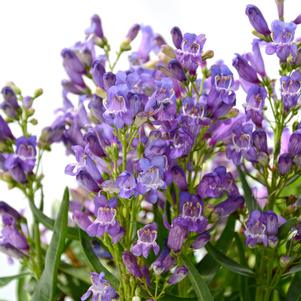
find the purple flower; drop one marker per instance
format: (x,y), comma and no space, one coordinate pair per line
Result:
(95,30)
(164,263)
(178,275)
(201,241)
(100,289)
(146,241)
(290,90)
(176,70)
(245,70)
(181,143)
(257,20)
(262,228)
(190,53)
(5,132)
(131,264)
(255,103)
(215,184)
(10,104)
(176,236)
(150,179)
(146,46)
(283,40)
(285,163)
(126,182)
(177,175)
(98,70)
(294,144)
(132,33)
(105,222)
(221,77)
(229,206)
(22,162)
(240,144)
(12,240)
(177,37)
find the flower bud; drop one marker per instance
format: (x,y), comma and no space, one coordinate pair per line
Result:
(257,20)
(176,36)
(285,163)
(245,70)
(176,70)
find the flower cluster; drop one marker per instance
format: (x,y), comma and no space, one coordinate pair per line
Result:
(166,167)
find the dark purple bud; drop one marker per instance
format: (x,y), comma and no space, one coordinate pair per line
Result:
(86,180)
(164,263)
(131,264)
(177,175)
(177,37)
(91,138)
(257,20)
(201,241)
(71,62)
(109,80)
(6,209)
(97,72)
(229,206)
(11,251)
(245,70)
(294,144)
(176,237)
(297,21)
(259,140)
(177,71)
(10,104)
(133,32)
(5,132)
(178,275)
(285,163)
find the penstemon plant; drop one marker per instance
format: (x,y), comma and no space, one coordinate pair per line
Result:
(181,195)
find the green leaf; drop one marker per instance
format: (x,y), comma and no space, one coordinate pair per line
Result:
(228,263)
(176,298)
(292,270)
(49,222)
(285,228)
(200,287)
(76,272)
(47,285)
(95,263)
(6,280)
(248,194)
(207,267)
(294,291)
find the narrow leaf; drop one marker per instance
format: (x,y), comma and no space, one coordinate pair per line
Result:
(46,287)
(292,270)
(94,261)
(176,298)
(49,222)
(248,194)
(6,280)
(200,287)
(228,263)
(294,291)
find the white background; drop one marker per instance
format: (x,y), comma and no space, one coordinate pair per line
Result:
(32,34)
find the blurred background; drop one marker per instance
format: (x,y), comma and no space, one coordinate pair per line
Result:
(33,32)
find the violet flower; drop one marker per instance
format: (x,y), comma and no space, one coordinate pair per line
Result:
(100,289)
(146,241)
(105,222)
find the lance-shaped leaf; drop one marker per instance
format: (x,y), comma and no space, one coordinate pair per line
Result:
(292,270)
(248,194)
(200,287)
(49,222)
(94,261)
(294,291)
(47,285)
(6,280)
(228,263)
